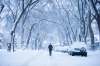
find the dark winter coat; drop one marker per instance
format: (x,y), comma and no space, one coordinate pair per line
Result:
(50,47)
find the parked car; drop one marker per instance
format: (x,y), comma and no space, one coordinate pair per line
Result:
(78,52)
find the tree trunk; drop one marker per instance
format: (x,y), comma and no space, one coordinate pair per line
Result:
(97,14)
(91,35)
(12,40)
(2,7)
(91,31)
(36,41)
(98,22)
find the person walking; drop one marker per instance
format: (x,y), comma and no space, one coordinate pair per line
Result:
(50,47)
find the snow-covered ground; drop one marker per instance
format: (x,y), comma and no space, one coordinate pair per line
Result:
(41,58)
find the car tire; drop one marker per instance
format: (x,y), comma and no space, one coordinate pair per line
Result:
(84,54)
(72,54)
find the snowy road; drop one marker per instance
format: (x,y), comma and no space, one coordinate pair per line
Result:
(41,58)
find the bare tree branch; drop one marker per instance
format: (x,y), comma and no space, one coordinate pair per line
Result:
(1,8)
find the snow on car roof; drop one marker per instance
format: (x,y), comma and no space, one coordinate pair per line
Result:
(78,45)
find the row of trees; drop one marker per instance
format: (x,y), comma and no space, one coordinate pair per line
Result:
(73,18)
